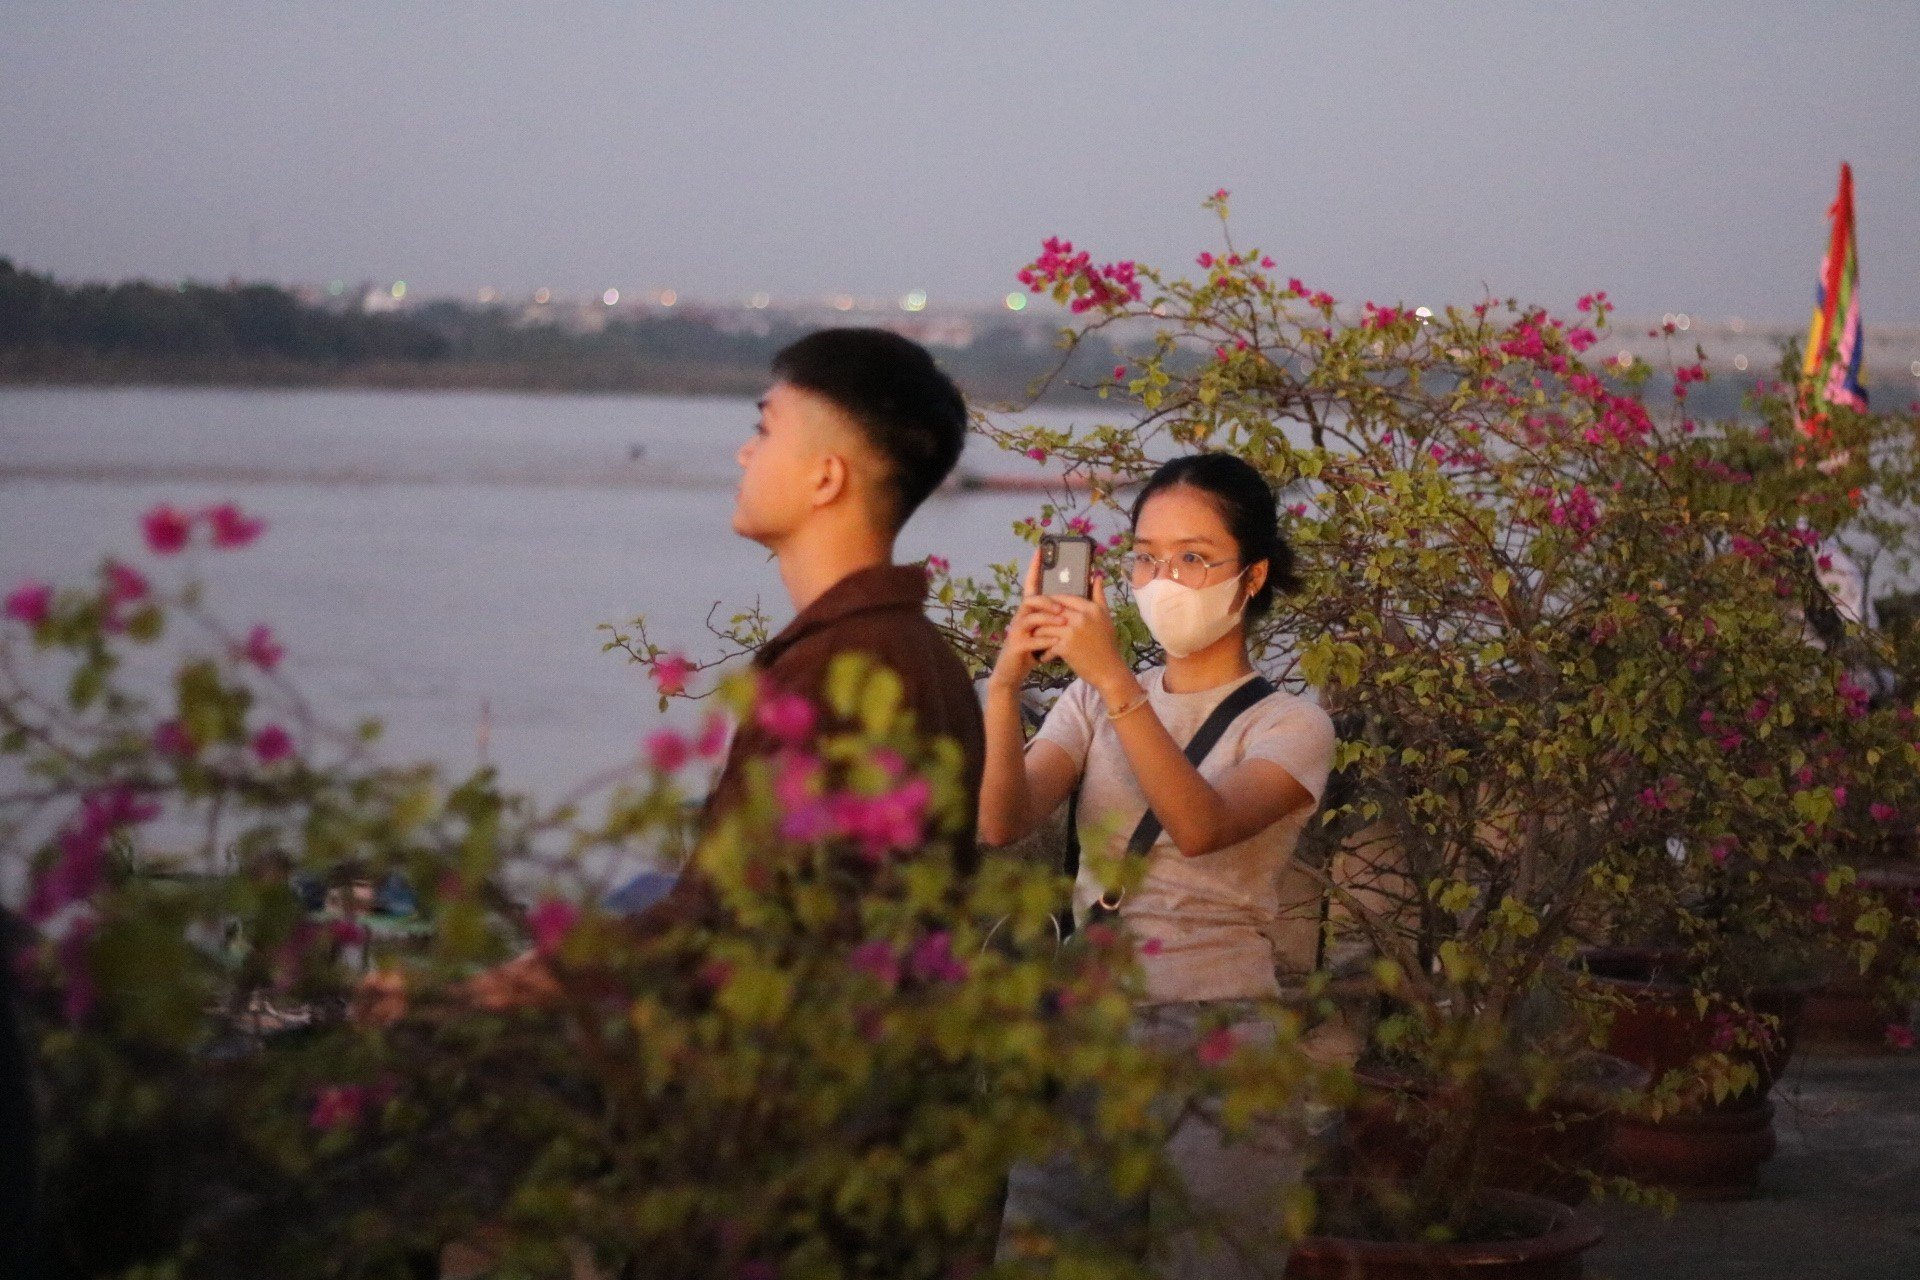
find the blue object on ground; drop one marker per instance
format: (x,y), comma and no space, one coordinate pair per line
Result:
(396,897)
(639,893)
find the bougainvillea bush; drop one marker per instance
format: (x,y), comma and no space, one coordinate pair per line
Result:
(1565,646)
(823,1072)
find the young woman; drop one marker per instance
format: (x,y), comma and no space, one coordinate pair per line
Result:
(1207,911)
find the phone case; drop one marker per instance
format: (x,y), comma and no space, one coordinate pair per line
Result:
(1066,566)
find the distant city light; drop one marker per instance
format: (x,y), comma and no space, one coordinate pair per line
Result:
(1915,366)
(916,300)
(843,302)
(1625,358)
(760,301)
(1668,318)
(489,294)
(542,296)
(610,297)
(1737,325)
(1683,321)
(399,290)
(1425,313)
(336,287)
(668,297)
(1016,302)
(1739,362)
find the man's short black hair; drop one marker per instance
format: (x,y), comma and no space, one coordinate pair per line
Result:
(908,411)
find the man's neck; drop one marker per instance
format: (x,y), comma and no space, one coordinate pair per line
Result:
(811,562)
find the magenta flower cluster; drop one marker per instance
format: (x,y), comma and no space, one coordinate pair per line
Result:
(169,530)
(929,960)
(1060,265)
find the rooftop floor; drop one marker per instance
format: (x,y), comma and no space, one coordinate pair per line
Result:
(1840,1199)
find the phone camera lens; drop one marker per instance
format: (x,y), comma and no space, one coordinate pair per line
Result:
(1049,554)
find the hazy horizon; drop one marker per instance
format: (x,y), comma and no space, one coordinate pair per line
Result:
(1681,157)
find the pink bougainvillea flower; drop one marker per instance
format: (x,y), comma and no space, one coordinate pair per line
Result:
(883,823)
(878,960)
(789,717)
(1220,193)
(1215,1047)
(170,738)
(938,564)
(549,923)
(933,959)
(125,585)
(31,602)
(716,974)
(1152,947)
(1899,1035)
(670,672)
(232,527)
(81,867)
(1881,811)
(810,821)
(272,744)
(1080,525)
(1037,454)
(713,736)
(167,529)
(667,751)
(1119,372)
(1840,796)
(261,648)
(337,1106)
(796,778)
(1821,913)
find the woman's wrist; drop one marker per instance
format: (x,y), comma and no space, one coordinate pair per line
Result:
(1004,685)
(1118,690)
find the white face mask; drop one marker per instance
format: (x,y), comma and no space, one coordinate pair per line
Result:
(1185,620)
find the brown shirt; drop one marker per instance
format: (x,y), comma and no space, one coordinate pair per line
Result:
(879,611)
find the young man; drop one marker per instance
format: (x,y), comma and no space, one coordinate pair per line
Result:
(858,428)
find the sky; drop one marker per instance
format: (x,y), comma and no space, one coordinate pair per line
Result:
(1680,154)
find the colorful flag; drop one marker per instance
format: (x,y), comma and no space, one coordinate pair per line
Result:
(1830,375)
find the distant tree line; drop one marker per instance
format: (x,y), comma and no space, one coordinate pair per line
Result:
(38,313)
(261,334)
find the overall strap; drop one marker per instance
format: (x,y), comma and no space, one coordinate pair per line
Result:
(1229,710)
(1210,732)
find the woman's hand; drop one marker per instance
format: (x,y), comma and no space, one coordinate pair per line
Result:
(1081,634)
(1020,652)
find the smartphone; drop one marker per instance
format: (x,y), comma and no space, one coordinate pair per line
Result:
(1066,566)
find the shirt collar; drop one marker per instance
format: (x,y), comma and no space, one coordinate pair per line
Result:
(880,586)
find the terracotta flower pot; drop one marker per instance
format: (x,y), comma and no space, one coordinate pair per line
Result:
(1851,1011)
(1698,1155)
(1540,1151)
(1712,1150)
(1550,1250)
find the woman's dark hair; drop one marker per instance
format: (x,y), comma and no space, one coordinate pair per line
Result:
(1246,502)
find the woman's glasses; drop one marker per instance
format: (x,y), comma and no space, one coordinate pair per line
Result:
(1188,568)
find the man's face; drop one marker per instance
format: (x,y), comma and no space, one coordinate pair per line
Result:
(785,461)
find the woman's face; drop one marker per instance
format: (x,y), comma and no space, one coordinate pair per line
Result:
(1184,519)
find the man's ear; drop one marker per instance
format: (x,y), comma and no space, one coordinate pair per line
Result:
(831,478)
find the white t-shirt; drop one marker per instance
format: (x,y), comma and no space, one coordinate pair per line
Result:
(1219,918)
